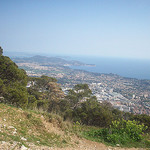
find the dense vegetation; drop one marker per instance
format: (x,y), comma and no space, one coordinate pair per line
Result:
(44,93)
(12,83)
(79,105)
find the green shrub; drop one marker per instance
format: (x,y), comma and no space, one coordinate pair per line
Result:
(131,128)
(32,102)
(120,132)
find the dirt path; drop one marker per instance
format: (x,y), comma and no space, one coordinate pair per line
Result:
(86,145)
(82,145)
(90,145)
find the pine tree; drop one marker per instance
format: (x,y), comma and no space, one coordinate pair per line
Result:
(1,51)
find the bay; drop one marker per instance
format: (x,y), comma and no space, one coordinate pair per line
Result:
(132,68)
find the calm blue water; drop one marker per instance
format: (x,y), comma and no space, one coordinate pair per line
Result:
(132,68)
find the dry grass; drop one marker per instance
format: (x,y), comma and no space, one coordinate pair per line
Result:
(40,131)
(34,127)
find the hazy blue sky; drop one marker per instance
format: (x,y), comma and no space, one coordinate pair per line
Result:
(113,28)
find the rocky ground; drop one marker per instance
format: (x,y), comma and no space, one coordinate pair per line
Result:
(82,145)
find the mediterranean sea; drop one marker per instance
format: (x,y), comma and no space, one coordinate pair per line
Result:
(132,68)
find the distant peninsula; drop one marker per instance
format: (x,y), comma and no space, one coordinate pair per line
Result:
(46,61)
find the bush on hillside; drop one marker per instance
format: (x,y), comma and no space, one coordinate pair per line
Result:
(120,132)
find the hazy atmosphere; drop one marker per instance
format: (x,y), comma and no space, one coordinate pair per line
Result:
(112,28)
(75,75)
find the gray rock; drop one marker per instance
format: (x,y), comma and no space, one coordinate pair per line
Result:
(14,132)
(11,127)
(23,139)
(3,142)
(23,147)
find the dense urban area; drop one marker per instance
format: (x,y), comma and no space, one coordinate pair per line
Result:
(126,94)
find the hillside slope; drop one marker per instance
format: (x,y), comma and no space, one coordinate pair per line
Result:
(24,129)
(20,127)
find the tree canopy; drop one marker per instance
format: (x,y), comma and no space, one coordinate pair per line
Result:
(13,83)
(1,51)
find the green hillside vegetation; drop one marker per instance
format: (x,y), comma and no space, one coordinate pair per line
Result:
(79,107)
(44,93)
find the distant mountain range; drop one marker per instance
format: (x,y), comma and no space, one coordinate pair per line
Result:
(48,61)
